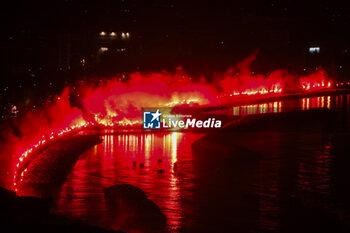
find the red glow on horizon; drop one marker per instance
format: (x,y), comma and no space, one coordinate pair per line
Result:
(117,103)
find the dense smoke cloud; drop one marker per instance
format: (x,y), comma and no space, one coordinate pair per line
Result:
(118,101)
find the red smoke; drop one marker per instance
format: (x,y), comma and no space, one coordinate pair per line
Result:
(118,102)
(36,127)
(239,80)
(317,80)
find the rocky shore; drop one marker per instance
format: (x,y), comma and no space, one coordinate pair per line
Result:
(30,214)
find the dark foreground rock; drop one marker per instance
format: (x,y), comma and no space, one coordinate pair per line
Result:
(28,214)
(133,211)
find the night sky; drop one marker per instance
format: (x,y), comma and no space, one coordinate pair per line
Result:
(46,44)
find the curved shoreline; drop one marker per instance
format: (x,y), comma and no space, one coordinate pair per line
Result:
(51,163)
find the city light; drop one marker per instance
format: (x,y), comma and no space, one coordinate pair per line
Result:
(314,50)
(103,49)
(83,61)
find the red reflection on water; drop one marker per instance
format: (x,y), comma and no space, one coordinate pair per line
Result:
(252,109)
(328,102)
(111,163)
(271,107)
(305,103)
(286,105)
(316,102)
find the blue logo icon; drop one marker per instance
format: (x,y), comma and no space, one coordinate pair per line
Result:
(151,120)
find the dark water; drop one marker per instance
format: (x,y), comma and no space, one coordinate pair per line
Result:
(111,163)
(297,181)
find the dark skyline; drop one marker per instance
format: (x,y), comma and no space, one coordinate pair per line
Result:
(49,44)
(171,32)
